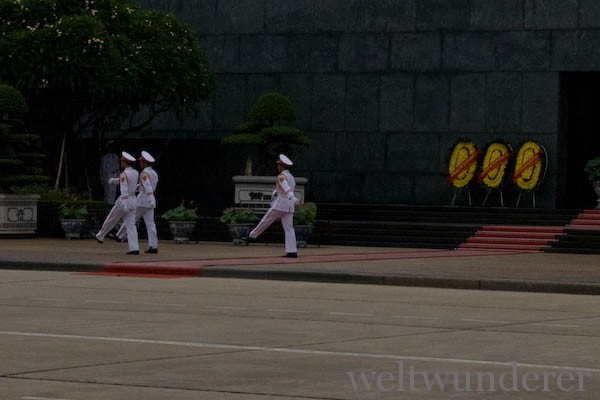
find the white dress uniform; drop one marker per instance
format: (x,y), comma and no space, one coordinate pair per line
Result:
(124,206)
(146,202)
(282,207)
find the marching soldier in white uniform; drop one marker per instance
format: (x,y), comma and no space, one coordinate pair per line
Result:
(124,206)
(283,207)
(146,201)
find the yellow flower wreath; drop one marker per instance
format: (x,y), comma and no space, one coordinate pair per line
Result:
(493,167)
(529,165)
(463,163)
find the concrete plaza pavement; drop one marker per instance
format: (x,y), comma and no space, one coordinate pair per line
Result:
(71,336)
(460,269)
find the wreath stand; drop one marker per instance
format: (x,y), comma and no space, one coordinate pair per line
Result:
(532,197)
(457,191)
(544,154)
(487,195)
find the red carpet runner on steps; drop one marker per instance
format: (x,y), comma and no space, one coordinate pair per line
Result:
(528,238)
(588,219)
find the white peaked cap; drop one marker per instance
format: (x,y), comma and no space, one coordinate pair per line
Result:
(147,157)
(284,160)
(127,157)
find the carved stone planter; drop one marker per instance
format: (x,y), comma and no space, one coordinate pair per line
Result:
(256,192)
(18,214)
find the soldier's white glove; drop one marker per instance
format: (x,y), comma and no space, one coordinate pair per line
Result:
(113,180)
(152,202)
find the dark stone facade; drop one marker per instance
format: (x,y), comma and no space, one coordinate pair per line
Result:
(384,88)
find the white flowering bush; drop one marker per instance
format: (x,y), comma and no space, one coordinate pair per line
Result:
(87,65)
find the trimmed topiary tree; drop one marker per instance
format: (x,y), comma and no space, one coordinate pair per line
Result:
(20,157)
(266,133)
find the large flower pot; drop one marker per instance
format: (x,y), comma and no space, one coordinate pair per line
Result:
(182,230)
(239,231)
(302,234)
(73,228)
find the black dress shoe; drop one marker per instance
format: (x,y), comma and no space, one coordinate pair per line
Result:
(133,252)
(291,255)
(152,250)
(98,240)
(119,240)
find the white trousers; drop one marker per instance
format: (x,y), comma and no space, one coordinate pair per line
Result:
(115,214)
(148,215)
(287,222)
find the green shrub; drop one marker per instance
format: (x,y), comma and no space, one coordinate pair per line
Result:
(306,214)
(593,169)
(181,213)
(72,210)
(11,100)
(238,216)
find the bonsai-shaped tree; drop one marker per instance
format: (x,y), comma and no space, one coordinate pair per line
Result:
(19,151)
(267,132)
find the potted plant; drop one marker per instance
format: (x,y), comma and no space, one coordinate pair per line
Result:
(20,166)
(263,136)
(266,133)
(592,168)
(240,222)
(304,222)
(182,221)
(73,219)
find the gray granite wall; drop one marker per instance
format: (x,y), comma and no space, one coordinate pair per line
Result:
(385,87)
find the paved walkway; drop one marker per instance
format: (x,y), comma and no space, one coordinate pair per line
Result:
(466,269)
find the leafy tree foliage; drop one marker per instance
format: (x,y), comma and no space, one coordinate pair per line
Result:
(90,65)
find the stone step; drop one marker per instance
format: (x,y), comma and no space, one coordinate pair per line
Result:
(487,246)
(508,240)
(585,224)
(589,216)
(518,234)
(523,229)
